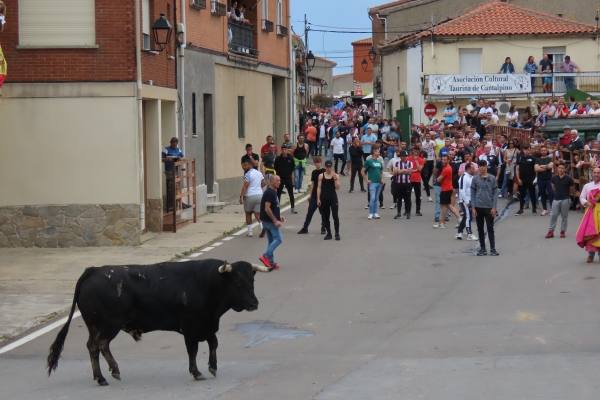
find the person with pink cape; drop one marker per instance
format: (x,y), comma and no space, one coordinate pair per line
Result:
(588,233)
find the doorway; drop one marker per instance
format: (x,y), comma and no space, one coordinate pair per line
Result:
(209,164)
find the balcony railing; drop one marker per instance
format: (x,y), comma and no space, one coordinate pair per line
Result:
(217,8)
(198,4)
(241,39)
(544,85)
(282,30)
(267,25)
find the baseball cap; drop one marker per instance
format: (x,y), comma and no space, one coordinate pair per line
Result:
(328,163)
(444,152)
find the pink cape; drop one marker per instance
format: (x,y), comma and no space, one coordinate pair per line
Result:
(588,233)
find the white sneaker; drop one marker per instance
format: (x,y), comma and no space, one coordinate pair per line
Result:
(296,191)
(382,207)
(367,207)
(472,238)
(544,213)
(376,216)
(443,226)
(499,196)
(429,199)
(459,236)
(370,216)
(436,225)
(249,234)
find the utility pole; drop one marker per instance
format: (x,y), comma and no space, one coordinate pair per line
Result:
(306,79)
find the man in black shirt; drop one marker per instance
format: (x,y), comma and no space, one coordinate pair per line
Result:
(270,215)
(250,157)
(525,176)
(562,191)
(312,203)
(543,167)
(356,164)
(284,167)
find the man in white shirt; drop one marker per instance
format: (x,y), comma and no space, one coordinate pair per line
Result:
(251,193)
(464,201)
(337,145)
(428,146)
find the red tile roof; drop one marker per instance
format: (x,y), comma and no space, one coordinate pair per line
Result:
(364,41)
(499,18)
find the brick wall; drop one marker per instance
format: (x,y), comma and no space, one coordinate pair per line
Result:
(162,68)
(113,60)
(361,52)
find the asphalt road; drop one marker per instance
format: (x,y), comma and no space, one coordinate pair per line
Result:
(395,310)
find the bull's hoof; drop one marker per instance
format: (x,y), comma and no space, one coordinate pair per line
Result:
(213,371)
(116,375)
(198,376)
(102,382)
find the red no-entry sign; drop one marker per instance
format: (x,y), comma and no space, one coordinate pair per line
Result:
(430,110)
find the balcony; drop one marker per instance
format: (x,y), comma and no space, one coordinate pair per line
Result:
(198,4)
(217,8)
(267,26)
(282,30)
(542,85)
(241,39)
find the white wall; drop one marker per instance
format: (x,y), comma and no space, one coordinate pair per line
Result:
(74,150)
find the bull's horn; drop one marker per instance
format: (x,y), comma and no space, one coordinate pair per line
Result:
(260,268)
(225,268)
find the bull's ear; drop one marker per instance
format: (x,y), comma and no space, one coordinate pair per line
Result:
(260,268)
(225,268)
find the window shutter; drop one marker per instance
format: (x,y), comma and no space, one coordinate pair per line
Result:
(57,23)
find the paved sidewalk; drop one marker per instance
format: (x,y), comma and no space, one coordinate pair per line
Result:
(36,285)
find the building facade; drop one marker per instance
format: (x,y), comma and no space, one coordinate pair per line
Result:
(237,87)
(478,43)
(85,111)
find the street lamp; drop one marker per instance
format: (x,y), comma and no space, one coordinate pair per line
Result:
(310,61)
(372,54)
(364,64)
(162,30)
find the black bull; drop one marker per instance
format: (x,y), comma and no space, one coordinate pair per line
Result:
(187,297)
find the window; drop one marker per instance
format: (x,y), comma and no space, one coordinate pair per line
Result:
(241,117)
(470,61)
(146,38)
(279,13)
(265,9)
(58,23)
(194,131)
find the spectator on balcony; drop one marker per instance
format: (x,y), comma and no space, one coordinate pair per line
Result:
(588,104)
(507,67)
(234,11)
(531,68)
(562,110)
(546,69)
(242,15)
(527,119)
(450,113)
(569,67)
(595,110)
(512,117)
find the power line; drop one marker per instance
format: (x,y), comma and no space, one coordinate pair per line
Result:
(365,32)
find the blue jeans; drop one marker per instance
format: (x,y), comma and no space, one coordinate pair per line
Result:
(322,146)
(374,189)
(298,176)
(569,82)
(505,183)
(274,239)
(437,190)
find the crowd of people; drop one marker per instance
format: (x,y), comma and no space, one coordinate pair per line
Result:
(460,165)
(546,68)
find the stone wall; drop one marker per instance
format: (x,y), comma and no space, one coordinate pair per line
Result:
(70,225)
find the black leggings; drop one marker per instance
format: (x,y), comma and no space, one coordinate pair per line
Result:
(356,170)
(484,216)
(330,206)
(312,207)
(416,186)
(426,175)
(289,188)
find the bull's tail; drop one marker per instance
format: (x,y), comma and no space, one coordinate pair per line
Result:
(58,344)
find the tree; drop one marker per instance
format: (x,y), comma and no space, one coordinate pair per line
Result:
(321,100)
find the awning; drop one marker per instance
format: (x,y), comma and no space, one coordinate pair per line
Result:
(369,96)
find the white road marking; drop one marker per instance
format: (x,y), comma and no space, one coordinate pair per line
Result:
(184,260)
(196,255)
(228,238)
(207,249)
(217,244)
(36,334)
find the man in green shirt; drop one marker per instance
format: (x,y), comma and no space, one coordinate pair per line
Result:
(373,171)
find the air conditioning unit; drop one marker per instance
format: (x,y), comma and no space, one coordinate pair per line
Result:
(503,107)
(198,4)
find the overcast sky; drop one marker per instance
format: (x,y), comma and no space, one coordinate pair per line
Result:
(332,15)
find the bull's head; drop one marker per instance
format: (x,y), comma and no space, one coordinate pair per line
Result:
(240,276)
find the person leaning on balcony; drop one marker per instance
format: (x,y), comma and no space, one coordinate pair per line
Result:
(507,67)
(569,67)
(234,11)
(546,68)
(531,68)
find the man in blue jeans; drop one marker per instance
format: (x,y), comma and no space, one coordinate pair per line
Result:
(373,172)
(272,220)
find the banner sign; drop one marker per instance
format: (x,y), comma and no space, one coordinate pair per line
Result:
(476,84)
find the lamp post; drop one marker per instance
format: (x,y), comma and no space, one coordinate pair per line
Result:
(324,85)
(309,65)
(162,30)
(364,64)
(373,54)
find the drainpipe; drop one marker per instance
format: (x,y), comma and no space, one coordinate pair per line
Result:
(138,92)
(293,84)
(181,75)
